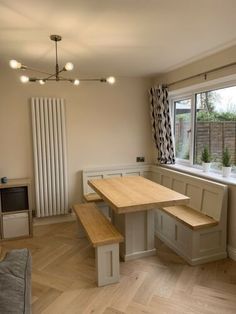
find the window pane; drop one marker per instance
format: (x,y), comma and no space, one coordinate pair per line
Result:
(182,128)
(215,123)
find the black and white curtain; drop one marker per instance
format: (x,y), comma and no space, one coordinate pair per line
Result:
(161,124)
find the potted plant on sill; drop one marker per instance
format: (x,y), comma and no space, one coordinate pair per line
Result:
(206,159)
(226,157)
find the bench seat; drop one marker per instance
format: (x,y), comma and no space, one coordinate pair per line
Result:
(99,229)
(190,217)
(92,197)
(104,237)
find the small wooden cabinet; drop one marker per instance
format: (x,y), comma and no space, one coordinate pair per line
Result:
(15,209)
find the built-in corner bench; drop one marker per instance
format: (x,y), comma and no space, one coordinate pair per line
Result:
(104,238)
(197,232)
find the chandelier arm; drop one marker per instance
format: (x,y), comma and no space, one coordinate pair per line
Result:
(93,79)
(34,79)
(59,77)
(103,80)
(36,70)
(55,74)
(46,78)
(71,80)
(62,70)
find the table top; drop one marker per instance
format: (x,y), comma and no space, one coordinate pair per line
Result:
(135,193)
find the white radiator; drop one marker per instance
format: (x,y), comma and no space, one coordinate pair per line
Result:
(50,160)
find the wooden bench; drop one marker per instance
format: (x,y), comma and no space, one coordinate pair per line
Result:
(92,197)
(197,232)
(104,238)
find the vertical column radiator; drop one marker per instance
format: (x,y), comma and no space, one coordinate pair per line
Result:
(50,160)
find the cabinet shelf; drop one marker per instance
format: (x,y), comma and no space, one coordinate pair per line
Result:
(15,209)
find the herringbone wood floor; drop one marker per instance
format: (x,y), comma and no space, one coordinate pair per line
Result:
(63,279)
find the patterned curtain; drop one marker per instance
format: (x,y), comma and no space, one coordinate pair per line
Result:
(161,125)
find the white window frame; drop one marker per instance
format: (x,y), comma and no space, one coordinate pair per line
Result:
(189,93)
(173,100)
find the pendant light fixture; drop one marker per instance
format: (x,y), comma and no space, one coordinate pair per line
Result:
(56,76)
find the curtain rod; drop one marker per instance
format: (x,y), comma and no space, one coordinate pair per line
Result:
(202,73)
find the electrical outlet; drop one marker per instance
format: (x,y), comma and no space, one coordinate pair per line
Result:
(140,159)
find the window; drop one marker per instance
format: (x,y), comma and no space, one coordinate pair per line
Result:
(205,119)
(182,109)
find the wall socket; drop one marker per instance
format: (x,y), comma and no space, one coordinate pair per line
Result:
(140,159)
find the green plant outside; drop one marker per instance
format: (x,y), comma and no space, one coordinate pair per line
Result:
(216,116)
(206,157)
(226,157)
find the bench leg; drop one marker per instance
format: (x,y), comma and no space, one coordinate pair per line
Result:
(107,264)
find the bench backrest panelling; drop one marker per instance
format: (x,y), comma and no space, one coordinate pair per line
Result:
(206,196)
(101,173)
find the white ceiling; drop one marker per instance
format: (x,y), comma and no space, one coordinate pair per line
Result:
(118,37)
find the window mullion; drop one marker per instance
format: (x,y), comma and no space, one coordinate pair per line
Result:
(192,142)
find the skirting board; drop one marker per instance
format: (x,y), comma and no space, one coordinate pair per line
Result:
(53,219)
(232,252)
(129,257)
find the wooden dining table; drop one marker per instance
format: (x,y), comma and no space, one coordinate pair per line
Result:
(133,200)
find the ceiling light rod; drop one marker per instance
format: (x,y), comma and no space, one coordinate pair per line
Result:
(56,38)
(55,76)
(103,80)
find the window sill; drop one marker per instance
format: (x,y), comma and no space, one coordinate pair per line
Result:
(211,175)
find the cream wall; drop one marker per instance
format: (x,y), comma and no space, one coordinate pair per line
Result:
(106,125)
(219,59)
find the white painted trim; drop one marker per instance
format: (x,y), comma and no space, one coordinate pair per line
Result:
(186,96)
(211,175)
(53,220)
(141,166)
(208,258)
(129,257)
(232,252)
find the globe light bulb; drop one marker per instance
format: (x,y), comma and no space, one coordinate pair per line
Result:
(69,66)
(41,82)
(14,64)
(24,79)
(111,80)
(76,82)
